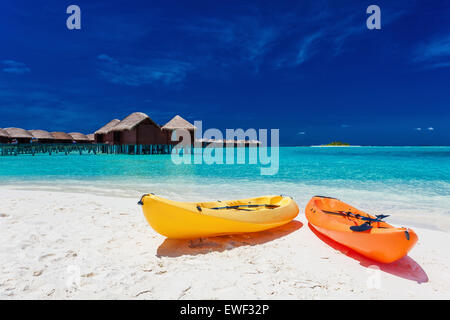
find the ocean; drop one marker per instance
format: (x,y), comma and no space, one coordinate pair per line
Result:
(412,184)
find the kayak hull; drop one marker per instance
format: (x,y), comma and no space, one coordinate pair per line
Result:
(383,243)
(188,220)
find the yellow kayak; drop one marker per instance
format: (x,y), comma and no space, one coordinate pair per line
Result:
(187,220)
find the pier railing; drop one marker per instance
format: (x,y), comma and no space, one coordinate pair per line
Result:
(32,149)
(95,148)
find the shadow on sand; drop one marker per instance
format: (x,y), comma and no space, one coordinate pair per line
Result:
(176,248)
(405,268)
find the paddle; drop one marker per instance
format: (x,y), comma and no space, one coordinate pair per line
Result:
(363,227)
(270,206)
(357,216)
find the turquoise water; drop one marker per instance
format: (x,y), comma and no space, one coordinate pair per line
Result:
(411,183)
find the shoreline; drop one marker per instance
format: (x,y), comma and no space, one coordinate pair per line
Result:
(105,243)
(401,213)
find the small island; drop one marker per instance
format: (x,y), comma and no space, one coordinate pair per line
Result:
(338,143)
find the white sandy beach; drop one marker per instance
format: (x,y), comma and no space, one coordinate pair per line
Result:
(48,239)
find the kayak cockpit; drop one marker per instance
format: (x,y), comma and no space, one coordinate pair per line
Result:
(255,204)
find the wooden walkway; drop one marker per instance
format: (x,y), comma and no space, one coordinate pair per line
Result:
(32,149)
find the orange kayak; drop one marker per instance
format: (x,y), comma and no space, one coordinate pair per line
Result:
(366,234)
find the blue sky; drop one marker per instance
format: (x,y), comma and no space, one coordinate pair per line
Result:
(310,68)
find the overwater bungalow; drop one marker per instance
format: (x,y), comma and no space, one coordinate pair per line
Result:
(176,123)
(91,137)
(42,136)
(19,135)
(138,129)
(104,134)
(62,137)
(4,136)
(79,137)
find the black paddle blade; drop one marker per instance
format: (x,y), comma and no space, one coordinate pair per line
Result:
(407,234)
(369,219)
(381,216)
(362,227)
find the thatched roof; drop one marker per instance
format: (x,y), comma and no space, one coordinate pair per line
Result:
(41,134)
(132,121)
(18,133)
(3,133)
(61,136)
(107,127)
(178,122)
(78,136)
(91,137)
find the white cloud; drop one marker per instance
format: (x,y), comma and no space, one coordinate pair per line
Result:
(435,54)
(420,129)
(105,57)
(307,47)
(164,71)
(11,66)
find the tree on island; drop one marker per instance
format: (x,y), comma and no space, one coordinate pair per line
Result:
(338,143)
